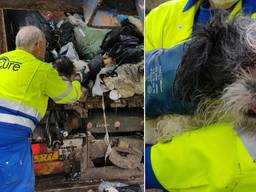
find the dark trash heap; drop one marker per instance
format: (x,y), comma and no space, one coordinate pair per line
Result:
(111,60)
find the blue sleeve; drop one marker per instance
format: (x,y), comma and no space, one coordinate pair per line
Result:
(161,66)
(249,7)
(150,178)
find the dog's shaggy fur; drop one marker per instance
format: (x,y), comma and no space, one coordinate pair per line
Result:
(218,72)
(64,66)
(214,57)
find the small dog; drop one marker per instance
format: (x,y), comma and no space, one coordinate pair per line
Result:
(64,66)
(218,72)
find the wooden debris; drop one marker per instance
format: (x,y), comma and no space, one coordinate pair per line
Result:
(124,160)
(97,149)
(111,173)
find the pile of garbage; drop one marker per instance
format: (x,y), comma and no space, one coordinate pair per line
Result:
(119,187)
(111,63)
(110,60)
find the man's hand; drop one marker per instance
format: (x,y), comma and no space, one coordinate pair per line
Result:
(77,77)
(82,75)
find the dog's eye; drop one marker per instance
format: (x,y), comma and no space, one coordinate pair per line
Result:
(251,86)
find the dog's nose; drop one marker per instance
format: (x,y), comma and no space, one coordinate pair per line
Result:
(253,100)
(254,108)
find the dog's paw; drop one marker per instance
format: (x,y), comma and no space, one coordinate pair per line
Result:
(168,128)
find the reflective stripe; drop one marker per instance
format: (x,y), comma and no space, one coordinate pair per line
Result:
(20,107)
(249,143)
(74,100)
(65,94)
(64,78)
(13,119)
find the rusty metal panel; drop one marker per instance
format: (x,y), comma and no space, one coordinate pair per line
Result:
(112,173)
(127,7)
(96,102)
(50,5)
(3,38)
(58,183)
(53,156)
(46,161)
(116,122)
(103,13)
(90,8)
(105,19)
(48,168)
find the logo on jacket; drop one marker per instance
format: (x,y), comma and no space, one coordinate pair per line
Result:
(5,63)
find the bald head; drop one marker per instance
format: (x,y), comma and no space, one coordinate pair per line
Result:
(31,39)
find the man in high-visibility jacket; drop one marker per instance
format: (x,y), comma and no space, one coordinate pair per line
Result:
(26,84)
(174,21)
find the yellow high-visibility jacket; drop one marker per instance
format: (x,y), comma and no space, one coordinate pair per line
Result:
(210,159)
(170,23)
(26,84)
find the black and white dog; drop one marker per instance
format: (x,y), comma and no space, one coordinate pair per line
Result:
(218,71)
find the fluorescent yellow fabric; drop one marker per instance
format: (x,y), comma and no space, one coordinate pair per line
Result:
(168,25)
(237,9)
(210,159)
(29,82)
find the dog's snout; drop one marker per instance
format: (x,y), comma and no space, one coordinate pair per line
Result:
(253,100)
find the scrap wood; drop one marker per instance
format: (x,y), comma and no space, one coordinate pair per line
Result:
(111,173)
(132,151)
(128,161)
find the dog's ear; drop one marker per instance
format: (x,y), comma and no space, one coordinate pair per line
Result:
(202,63)
(64,66)
(189,77)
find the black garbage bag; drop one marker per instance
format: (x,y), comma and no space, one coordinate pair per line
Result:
(19,18)
(124,45)
(95,66)
(130,188)
(64,34)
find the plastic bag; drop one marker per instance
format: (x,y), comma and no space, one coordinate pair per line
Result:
(89,40)
(99,88)
(124,45)
(64,33)
(116,186)
(128,81)
(107,185)
(69,51)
